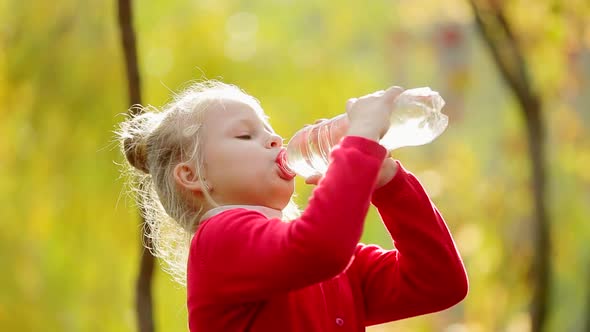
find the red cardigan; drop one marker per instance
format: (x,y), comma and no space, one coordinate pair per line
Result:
(247,272)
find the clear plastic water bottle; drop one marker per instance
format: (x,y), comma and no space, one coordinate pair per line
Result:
(416,120)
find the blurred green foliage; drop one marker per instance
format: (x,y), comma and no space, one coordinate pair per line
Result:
(70,239)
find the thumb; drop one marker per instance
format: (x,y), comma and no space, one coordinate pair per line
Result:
(392,92)
(314,179)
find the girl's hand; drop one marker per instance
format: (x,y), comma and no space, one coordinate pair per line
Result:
(369,116)
(386,174)
(314,179)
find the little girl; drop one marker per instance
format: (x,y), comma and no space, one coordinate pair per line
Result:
(213,189)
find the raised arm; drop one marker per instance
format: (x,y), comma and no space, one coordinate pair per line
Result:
(425,273)
(247,256)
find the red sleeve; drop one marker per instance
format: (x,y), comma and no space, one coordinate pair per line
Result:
(425,274)
(242,255)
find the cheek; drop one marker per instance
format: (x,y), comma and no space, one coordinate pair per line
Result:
(216,164)
(231,162)
(227,166)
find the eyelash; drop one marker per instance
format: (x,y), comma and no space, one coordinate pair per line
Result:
(244,137)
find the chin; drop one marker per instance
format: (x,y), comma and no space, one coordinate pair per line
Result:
(282,201)
(281,194)
(281,204)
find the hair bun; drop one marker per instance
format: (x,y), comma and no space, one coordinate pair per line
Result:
(136,152)
(133,135)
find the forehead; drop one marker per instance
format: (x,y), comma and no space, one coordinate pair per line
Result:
(229,112)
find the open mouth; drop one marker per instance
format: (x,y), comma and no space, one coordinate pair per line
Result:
(284,171)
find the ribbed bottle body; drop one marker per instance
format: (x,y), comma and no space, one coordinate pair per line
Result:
(416,119)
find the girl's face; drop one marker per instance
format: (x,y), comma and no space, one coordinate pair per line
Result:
(240,152)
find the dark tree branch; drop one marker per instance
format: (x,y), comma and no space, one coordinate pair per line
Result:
(505,50)
(130,52)
(143,295)
(521,76)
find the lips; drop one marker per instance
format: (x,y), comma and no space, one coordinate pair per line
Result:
(281,160)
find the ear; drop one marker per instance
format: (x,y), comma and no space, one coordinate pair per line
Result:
(185,176)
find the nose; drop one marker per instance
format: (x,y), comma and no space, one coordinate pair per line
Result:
(274,141)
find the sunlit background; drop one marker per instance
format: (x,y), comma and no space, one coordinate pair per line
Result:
(69,243)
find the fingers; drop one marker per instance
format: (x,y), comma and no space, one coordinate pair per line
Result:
(314,179)
(394,88)
(315,123)
(392,92)
(378,93)
(350,102)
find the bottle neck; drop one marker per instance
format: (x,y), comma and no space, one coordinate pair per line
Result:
(308,149)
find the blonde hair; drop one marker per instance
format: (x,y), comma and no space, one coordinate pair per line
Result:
(154,142)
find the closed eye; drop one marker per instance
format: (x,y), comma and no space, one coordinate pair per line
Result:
(246,137)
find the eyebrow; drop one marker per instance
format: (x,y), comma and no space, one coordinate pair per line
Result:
(249,121)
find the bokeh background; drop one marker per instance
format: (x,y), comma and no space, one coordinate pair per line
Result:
(70,235)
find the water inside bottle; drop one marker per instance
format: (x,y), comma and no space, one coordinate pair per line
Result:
(299,160)
(309,151)
(416,120)
(412,124)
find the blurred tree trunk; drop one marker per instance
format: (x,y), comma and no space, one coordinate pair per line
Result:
(503,44)
(143,295)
